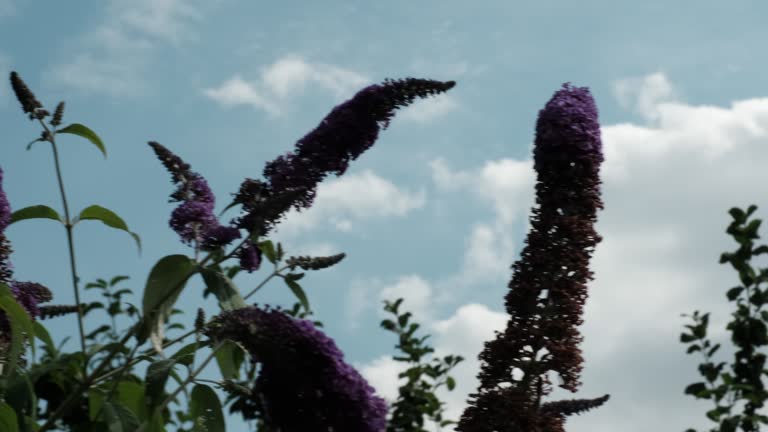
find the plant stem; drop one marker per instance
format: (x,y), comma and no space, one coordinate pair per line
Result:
(70,242)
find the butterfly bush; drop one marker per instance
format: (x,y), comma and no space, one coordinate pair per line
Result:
(304,383)
(548,287)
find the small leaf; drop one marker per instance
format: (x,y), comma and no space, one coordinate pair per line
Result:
(450,383)
(734,292)
(268,249)
(224,289)
(164,285)
(42,334)
(35,212)
(298,292)
(85,132)
(229,358)
(8,421)
(109,218)
(186,355)
(157,376)
(205,409)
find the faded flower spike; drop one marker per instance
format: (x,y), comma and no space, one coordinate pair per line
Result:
(54,311)
(304,383)
(344,134)
(27,99)
(58,114)
(314,263)
(193,220)
(549,282)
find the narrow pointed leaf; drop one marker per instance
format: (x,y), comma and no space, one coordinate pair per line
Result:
(205,409)
(83,131)
(35,212)
(109,218)
(164,285)
(298,291)
(224,289)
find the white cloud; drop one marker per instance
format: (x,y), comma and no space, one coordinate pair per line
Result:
(350,199)
(382,373)
(645,95)
(235,91)
(284,80)
(415,292)
(115,57)
(425,110)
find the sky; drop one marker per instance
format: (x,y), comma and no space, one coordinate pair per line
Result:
(436,211)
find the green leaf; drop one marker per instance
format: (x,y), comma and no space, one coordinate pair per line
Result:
(120,418)
(229,358)
(131,395)
(734,292)
(205,409)
(157,376)
(269,250)
(35,212)
(298,292)
(8,420)
(85,132)
(224,289)
(109,218)
(42,334)
(20,324)
(186,354)
(450,383)
(164,285)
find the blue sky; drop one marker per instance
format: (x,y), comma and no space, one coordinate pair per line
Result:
(436,211)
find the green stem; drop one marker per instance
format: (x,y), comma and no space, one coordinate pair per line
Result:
(70,242)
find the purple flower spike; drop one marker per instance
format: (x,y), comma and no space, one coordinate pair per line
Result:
(29,295)
(5,206)
(193,220)
(5,247)
(548,289)
(304,383)
(344,134)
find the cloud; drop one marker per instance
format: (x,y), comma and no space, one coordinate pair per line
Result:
(666,187)
(283,81)
(645,94)
(115,57)
(426,110)
(347,200)
(415,292)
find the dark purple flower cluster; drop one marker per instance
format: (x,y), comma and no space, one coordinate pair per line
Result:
(350,129)
(6,269)
(193,220)
(304,383)
(30,295)
(549,283)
